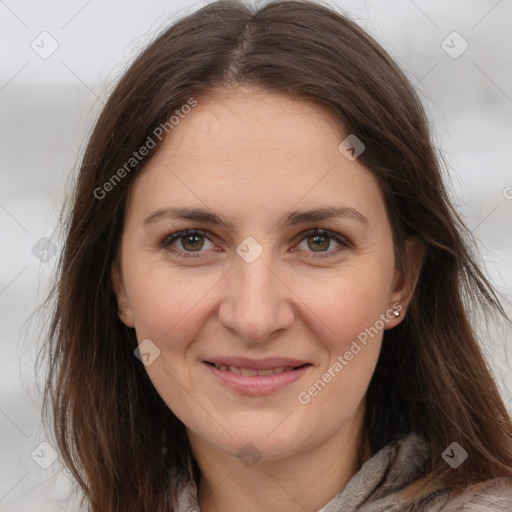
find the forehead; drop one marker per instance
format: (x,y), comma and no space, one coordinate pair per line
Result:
(240,123)
(248,149)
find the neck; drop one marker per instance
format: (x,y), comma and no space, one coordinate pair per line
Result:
(306,480)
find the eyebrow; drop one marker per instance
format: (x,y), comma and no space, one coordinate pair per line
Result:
(291,219)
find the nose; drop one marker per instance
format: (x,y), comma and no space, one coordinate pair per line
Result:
(256,302)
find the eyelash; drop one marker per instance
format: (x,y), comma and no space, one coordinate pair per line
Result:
(345,244)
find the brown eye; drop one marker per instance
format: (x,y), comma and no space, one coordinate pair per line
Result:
(185,243)
(320,241)
(189,243)
(192,242)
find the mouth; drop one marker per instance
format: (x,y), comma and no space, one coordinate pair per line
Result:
(237,370)
(256,378)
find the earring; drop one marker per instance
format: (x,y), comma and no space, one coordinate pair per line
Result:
(396,313)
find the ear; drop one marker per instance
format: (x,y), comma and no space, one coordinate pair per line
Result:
(405,280)
(123,305)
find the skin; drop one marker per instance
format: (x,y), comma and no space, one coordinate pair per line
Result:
(252,157)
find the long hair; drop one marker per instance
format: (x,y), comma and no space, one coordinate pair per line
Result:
(123,445)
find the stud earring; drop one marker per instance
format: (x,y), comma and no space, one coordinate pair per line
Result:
(396,313)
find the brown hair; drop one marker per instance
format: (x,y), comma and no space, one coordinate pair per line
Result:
(115,433)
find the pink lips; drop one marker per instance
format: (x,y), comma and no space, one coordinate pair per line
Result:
(256,364)
(257,385)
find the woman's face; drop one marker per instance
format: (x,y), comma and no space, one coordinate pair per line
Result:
(258,292)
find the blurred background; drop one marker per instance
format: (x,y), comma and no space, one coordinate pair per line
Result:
(59,61)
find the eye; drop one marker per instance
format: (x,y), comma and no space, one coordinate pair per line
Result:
(322,239)
(191,241)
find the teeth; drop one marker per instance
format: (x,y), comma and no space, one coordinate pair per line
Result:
(246,371)
(250,371)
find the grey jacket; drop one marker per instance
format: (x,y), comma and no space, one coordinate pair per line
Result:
(375,487)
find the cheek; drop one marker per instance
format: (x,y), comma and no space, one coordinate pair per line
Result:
(169,310)
(348,323)
(167,306)
(352,345)
(348,302)
(355,337)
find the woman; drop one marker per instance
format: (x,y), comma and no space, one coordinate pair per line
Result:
(263,301)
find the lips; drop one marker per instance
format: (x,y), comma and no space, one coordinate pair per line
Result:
(251,371)
(271,363)
(256,377)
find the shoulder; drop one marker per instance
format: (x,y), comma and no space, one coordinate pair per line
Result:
(490,495)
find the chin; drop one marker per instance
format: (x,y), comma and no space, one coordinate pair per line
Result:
(259,447)
(263,442)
